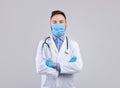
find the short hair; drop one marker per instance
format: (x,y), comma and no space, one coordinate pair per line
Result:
(57,12)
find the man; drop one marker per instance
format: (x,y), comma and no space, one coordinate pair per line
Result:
(58,58)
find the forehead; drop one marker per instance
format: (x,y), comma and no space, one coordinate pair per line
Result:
(58,17)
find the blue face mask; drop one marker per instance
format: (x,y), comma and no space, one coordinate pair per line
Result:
(58,29)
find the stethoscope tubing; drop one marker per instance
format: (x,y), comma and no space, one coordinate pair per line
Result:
(45,42)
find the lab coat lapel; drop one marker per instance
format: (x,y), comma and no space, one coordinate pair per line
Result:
(63,47)
(52,44)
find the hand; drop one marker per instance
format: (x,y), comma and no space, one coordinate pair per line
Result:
(50,63)
(73,59)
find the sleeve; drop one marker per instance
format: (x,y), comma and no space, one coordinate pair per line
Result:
(72,67)
(40,63)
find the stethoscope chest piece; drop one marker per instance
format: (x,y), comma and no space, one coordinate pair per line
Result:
(66,51)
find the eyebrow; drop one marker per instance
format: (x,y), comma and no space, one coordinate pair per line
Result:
(61,20)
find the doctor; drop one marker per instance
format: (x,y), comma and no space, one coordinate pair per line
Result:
(58,58)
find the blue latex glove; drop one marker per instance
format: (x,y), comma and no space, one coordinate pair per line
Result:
(49,63)
(73,59)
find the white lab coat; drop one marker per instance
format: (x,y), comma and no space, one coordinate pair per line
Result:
(49,76)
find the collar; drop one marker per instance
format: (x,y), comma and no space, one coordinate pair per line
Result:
(56,38)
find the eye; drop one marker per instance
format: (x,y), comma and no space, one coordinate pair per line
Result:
(54,22)
(61,21)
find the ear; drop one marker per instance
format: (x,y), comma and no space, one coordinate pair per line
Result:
(65,25)
(50,26)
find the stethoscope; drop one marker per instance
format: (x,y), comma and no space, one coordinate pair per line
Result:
(45,43)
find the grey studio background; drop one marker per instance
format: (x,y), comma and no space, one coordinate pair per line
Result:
(94,24)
